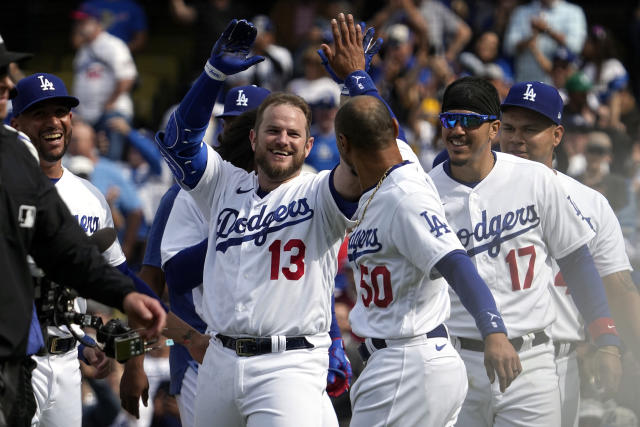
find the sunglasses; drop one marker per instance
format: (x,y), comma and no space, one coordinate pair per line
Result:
(449,120)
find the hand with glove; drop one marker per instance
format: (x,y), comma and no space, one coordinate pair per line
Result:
(230,54)
(369,46)
(339,376)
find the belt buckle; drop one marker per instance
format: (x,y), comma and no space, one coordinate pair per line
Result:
(240,347)
(53,347)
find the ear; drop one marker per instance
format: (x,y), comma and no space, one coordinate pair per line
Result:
(494,129)
(396,127)
(252,138)
(308,146)
(14,123)
(558,133)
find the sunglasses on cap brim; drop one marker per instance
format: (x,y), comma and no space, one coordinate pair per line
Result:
(466,120)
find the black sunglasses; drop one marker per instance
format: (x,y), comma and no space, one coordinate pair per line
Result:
(466,120)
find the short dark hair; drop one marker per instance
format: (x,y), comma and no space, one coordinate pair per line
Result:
(280,98)
(235,145)
(366,122)
(471,93)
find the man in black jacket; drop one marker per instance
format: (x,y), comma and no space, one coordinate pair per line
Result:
(35,221)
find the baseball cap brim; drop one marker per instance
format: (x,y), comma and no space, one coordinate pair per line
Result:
(68,101)
(232,113)
(531,108)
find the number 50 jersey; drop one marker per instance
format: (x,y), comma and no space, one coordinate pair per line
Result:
(511,224)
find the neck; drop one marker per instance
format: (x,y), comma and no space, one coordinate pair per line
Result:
(268,184)
(51,170)
(475,170)
(371,166)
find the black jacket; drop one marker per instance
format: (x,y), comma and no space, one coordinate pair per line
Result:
(34,220)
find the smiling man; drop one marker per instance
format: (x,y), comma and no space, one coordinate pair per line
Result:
(511,215)
(532,129)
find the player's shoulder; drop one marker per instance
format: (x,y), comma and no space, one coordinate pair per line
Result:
(573,186)
(71,179)
(525,167)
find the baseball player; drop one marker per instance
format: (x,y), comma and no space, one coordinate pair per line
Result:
(512,217)
(42,110)
(396,388)
(413,377)
(531,128)
(269,321)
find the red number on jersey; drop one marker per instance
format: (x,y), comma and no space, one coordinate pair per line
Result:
(372,292)
(513,266)
(297,259)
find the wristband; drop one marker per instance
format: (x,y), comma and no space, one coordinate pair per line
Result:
(213,72)
(602,326)
(344,90)
(359,83)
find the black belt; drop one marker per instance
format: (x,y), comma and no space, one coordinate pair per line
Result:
(262,345)
(476,345)
(558,345)
(57,345)
(379,343)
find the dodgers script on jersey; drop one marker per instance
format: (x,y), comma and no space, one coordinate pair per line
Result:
(512,235)
(396,298)
(266,254)
(607,249)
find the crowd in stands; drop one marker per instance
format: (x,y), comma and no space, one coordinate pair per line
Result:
(427,45)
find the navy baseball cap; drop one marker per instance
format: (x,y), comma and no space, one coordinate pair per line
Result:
(40,87)
(536,96)
(242,98)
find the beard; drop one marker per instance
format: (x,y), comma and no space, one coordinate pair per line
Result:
(279,172)
(51,156)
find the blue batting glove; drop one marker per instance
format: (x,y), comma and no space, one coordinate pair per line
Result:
(339,376)
(370,50)
(230,53)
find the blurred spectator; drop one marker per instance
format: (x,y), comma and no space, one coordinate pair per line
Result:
(324,154)
(403,75)
(208,19)
(275,71)
(563,65)
(607,73)
(577,111)
(314,83)
(486,54)
(125,19)
(144,168)
(104,74)
(403,12)
(111,181)
(544,25)
(448,34)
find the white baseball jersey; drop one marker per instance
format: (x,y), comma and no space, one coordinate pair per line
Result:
(512,223)
(401,237)
(186,226)
(607,249)
(87,204)
(97,68)
(271,261)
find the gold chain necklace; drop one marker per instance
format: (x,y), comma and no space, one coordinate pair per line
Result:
(384,175)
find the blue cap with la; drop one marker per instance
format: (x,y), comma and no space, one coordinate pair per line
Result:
(242,98)
(37,88)
(536,96)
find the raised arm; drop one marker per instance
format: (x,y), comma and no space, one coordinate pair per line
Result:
(181,142)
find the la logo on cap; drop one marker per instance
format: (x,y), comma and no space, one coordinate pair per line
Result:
(45,84)
(242,99)
(529,93)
